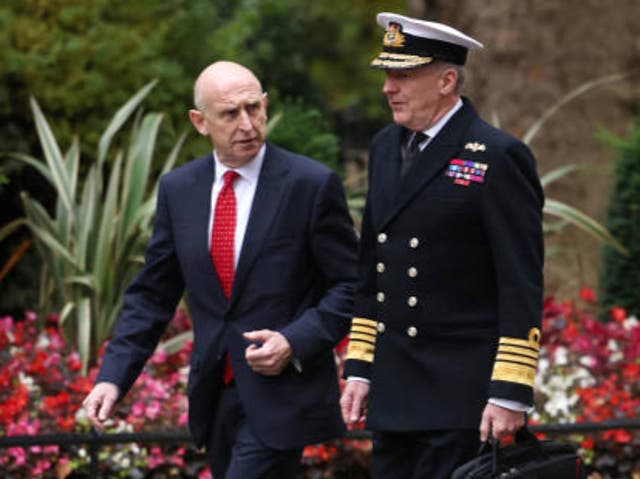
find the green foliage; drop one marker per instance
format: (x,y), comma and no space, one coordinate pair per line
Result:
(318,51)
(92,245)
(304,131)
(81,59)
(620,274)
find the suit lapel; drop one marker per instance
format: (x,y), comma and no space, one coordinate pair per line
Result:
(386,174)
(266,203)
(432,160)
(197,203)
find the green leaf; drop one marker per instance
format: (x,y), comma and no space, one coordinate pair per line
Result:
(582,221)
(121,116)
(583,88)
(53,156)
(12,227)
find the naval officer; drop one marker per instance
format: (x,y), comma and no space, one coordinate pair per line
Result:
(445,335)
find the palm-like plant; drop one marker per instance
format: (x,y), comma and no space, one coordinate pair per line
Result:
(567,213)
(92,246)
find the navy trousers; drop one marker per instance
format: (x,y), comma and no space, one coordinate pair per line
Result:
(422,454)
(236,453)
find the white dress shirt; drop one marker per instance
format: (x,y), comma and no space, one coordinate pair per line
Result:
(244,188)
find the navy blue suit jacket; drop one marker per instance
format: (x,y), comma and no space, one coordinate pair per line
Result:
(294,275)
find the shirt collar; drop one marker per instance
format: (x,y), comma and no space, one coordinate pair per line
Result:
(435,129)
(250,171)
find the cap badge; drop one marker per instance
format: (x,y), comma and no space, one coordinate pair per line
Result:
(393,37)
(475,146)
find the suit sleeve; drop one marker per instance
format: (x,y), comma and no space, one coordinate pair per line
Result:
(333,247)
(362,336)
(149,305)
(512,212)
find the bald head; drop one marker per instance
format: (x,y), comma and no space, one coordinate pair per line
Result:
(219,78)
(231,109)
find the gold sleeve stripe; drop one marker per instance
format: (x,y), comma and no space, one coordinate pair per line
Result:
(517,350)
(513,373)
(364,322)
(361,329)
(361,351)
(518,359)
(363,337)
(532,341)
(523,343)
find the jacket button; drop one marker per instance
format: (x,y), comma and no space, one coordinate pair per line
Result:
(382,238)
(380,267)
(412,272)
(414,243)
(412,301)
(381,327)
(412,331)
(380,297)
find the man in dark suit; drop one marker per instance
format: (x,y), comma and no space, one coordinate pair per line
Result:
(261,241)
(445,335)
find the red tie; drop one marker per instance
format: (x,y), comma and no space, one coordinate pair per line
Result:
(222,238)
(223,233)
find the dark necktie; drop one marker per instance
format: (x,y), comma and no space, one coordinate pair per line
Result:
(412,151)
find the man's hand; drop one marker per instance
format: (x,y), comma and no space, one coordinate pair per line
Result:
(268,353)
(99,403)
(499,422)
(353,402)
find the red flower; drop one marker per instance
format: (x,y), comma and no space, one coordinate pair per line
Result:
(618,314)
(587,294)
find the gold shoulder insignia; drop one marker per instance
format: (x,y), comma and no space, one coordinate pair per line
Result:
(393,36)
(517,359)
(475,146)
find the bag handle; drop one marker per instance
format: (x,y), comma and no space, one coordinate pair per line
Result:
(522,436)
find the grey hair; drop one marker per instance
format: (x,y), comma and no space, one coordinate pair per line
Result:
(198,101)
(461,73)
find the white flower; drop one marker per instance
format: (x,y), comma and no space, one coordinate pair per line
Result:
(617,356)
(43,342)
(612,345)
(561,357)
(588,361)
(630,323)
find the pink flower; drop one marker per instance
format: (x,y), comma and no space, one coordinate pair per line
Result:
(205,474)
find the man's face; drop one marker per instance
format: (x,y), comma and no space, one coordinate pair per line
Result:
(415,95)
(235,119)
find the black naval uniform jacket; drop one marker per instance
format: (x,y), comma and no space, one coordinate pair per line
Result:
(449,305)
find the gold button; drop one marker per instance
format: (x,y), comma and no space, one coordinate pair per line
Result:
(412,301)
(380,267)
(382,238)
(412,331)
(414,242)
(381,327)
(380,297)
(412,272)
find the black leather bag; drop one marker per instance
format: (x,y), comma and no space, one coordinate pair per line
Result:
(527,458)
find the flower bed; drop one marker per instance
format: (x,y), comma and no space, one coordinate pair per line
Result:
(589,371)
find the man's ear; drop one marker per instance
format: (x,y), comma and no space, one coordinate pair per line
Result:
(449,80)
(197,120)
